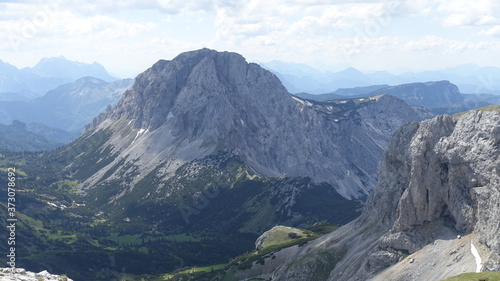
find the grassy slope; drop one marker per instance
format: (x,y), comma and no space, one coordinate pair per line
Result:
(486,108)
(481,276)
(147,235)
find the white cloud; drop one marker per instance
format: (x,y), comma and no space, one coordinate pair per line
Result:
(289,30)
(439,45)
(111,6)
(494,31)
(106,25)
(464,12)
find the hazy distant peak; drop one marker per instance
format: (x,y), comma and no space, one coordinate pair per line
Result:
(351,71)
(90,79)
(5,66)
(62,67)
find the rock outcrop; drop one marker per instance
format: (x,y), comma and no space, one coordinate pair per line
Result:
(437,195)
(277,235)
(20,274)
(204,101)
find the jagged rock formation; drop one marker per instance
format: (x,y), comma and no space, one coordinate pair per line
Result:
(20,274)
(438,179)
(204,101)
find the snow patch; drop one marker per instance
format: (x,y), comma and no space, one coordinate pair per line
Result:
(303,102)
(297,99)
(479,262)
(170,115)
(140,132)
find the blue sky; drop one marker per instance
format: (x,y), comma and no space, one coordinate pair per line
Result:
(128,36)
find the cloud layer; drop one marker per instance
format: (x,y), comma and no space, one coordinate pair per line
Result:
(312,31)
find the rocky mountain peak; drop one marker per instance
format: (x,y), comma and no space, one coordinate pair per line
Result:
(194,81)
(205,101)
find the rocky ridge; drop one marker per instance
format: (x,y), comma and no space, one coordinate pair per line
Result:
(203,101)
(437,196)
(428,94)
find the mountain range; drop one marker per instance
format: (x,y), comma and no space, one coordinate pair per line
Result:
(205,154)
(69,107)
(205,145)
(439,97)
(469,78)
(31,82)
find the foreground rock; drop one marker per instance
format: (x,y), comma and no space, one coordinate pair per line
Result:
(20,274)
(438,194)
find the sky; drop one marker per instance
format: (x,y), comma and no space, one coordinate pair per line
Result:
(128,36)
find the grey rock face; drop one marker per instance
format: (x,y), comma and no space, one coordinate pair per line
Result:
(20,274)
(205,101)
(437,179)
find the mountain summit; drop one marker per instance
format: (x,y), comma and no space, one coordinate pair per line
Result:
(203,102)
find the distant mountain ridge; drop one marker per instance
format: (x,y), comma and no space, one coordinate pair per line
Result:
(70,106)
(28,83)
(20,136)
(439,97)
(343,93)
(428,94)
(469,78)
(60,67)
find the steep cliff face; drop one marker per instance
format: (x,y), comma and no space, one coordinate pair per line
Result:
(204,101)
(438,179)
(452,174)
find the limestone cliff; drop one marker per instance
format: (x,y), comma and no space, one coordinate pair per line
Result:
(437,199)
